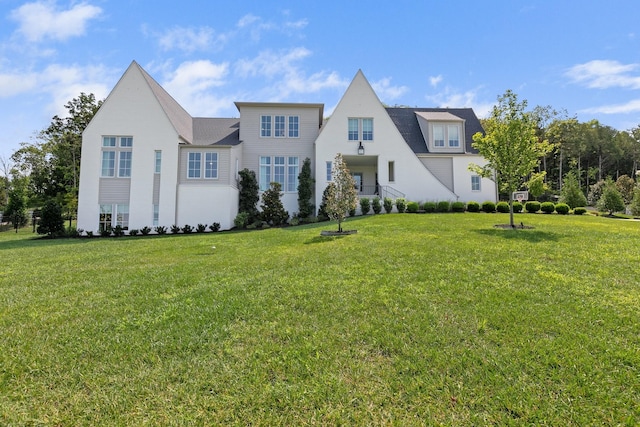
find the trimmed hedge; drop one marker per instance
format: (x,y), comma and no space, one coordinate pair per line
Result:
(517,207)
(473,207)
(457,207)
(580,211)
(547,207)
(488,207)
(502,207)
(443,206)
(429,207)
(562,208)
(532,207)
(413,207)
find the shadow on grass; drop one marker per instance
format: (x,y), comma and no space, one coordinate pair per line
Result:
(533,236)
(39,242)
(322,239)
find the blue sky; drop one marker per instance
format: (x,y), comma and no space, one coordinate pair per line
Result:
(578,55)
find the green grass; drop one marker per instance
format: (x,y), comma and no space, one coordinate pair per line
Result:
(417,319)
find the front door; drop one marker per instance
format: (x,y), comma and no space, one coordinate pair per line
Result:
(357,177)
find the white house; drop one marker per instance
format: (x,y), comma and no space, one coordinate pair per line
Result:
(147,162)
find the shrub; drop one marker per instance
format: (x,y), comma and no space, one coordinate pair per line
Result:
(133,232)
(145,230)
(201,228)
(89,233)
(387,203)
(365,205)
(611,199)
(532,207)
(413,207)
(517,207)
(562,208)
(580,211)
(376,205)
(488,207)
(105,232)
(161,229)
(429,207)
(473,206)
(118,231)
(547,207)
(175,229)
(215,227)
(295,220)
(51,222)
(241,220)
(305,190)
(73,232)
(401,204)
(352,212)
(248,196)
(457,207)
(443,206)
(503,207)
(272,208)
(187,229)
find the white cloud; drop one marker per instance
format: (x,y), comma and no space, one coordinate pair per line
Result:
(632,106)
(43,20)
(603,74)
(192,82)
(385,91)
(435,80)
(192,39)
(270,63)
(15,83)
(453,99)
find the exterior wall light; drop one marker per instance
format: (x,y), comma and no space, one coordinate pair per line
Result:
(360,149)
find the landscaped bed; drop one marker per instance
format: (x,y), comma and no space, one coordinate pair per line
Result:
(416,319)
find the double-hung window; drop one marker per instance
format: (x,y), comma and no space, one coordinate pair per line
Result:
(265,172)
(278,170)
(354,130)
(211,165)
(124,168)
(454,136)
(116,149)
(279,126)
(360,129)
(475,183)
(194,165)
(438,136)
(108,163)
(367,129)
(294,126)
(265,126)
(292,174)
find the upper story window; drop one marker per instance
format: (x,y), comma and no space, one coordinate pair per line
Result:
(116,149)
(453,132)
(360,129)
(195,165)
(438,136)
(475,182)
(158,161)
(446,137)
(211,165)
(280,169)
(279,126)
(329,171)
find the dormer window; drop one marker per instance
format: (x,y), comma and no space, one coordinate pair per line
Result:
(442,131)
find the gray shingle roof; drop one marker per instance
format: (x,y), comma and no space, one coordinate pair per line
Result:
(407,123)
(213,131)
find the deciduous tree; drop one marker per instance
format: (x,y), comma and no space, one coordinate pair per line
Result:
(341,192)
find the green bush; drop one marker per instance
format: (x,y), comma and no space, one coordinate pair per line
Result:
(365,205)
(562,208)
(457,207)
(488,207)
(387,203)
(118,231)
(175,229)
(503,207)
(51,222)
(272,208)
(376,205)
(517,207)
(133,232)
(443,206)
(201,228)
(187,229)
(547,207)
(401,204)
(413,207)
(532,207)
(161,229)
(145,230)
(105,232)
(429,207)
(580,211)
(473,206)
(215,227)
(241,220)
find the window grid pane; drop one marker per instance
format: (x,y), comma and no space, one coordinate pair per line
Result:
(158,164)
(124,167)
(126,141)
(109,141)
(438,136)
(279,127)
(294,126)
(108,163)
(329,167)
(122,216)
(194,165)
(278,170)
(475,183)
(265,126)
(211,165)
(367,129)
(292,174)
(265,173)
(454,136)
(353,130)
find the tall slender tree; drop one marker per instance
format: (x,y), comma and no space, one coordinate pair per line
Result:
(341,192)
(305,190)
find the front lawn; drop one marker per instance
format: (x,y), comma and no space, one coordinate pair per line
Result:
(417,319)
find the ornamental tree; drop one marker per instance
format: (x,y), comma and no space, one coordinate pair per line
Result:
(305,190)
(248,197)
(510,146)
(341,192)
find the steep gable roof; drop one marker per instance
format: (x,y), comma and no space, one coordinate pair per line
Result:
(181,120)
(407,123)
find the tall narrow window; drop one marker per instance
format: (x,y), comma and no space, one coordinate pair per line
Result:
(124,166)
(292,174)
(454,136)
(158,161)
(211,165)
(294,125)
(392,172)
(105,217)
(367,129)
(122,216)
(108,163)
(353,130)
(193,167)
(438,136)
(265,126)
(265,172)
(475,183)
(278,170)
(156,215)
(279,126)
(329,168)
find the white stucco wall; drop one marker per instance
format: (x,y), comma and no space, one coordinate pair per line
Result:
(206,204)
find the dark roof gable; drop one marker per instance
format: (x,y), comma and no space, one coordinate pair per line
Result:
(407,123)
